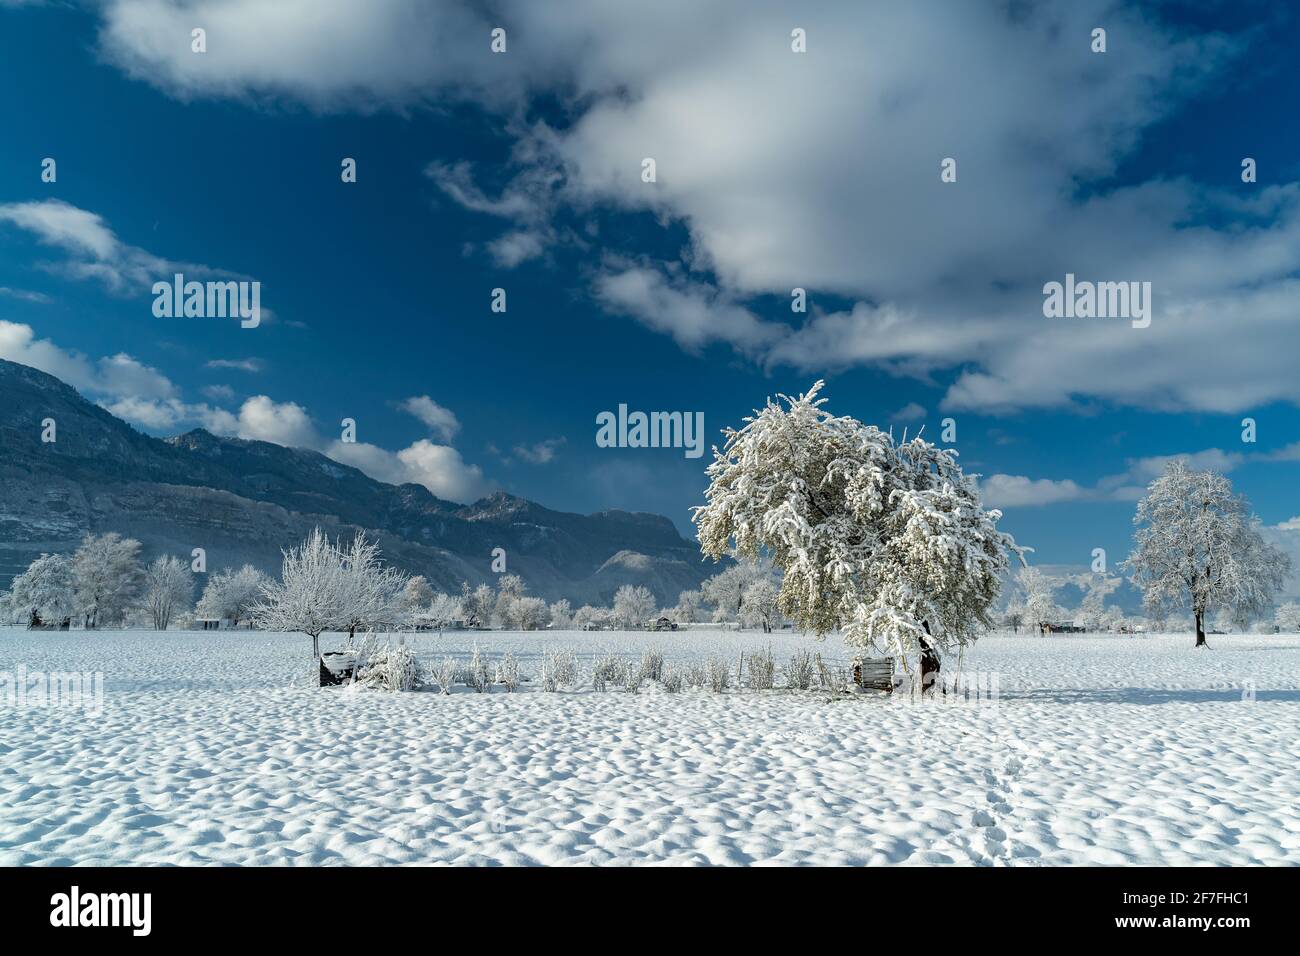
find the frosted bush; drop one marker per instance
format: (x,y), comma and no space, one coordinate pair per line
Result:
(607,670)
(478,671)
(633,675)
(508,672)
(799,674)
(444,674)
(389,667)
(719,675)
(652,664)
(762,670)
(696,675)
(670,680)
(559,668)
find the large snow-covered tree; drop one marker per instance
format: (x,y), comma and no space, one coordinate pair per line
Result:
(688,609)
(231,593)
(168,590)
(884,539)
(726,590)
(373,592)
(47,589)
(633,605)
(108,577)
(1198,547)
(311,596)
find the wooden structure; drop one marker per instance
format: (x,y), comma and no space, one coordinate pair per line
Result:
(874,673)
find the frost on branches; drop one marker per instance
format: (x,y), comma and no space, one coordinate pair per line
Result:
(1198,546)
(886,540)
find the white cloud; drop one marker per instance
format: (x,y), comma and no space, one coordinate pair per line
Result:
(24,295)
(541,453)
(691,312)
(93,250)
(281,423)
(441,421)
(911,412)
(1004,491)
(239,365)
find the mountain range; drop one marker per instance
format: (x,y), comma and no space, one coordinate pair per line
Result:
(245,501)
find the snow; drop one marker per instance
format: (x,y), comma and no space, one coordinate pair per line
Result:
(1099,750)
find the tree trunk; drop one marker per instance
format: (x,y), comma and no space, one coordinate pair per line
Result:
(1200,630)
(930,663)
(315,653)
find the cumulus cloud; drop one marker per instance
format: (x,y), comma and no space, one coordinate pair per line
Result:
(441,421)
(1003,491)
(92,250)
(776,190)
(142,395)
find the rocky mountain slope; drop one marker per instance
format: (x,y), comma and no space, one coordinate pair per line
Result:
(246,500)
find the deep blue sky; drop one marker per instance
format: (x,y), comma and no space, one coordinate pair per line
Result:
(376,298)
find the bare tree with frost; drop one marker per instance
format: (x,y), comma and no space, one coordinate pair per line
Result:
(168,590)
(1198,547)
(886,540)
(312,595)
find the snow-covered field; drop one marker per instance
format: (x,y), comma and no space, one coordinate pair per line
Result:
(1098,750)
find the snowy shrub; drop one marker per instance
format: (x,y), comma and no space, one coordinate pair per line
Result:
(388,666)
(607,670)
(719,675)
(799,674)
(696,675)
(478,671)
(508,672)
(670,680)
(559,668)
(633,675)
(762,670)
(652,663)
(443,674)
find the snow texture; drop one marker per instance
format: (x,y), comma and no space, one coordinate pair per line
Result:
(1100,750)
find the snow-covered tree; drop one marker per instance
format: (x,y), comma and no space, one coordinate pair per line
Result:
(168,590)
(1198,547)
(231,593)
(417,594)
(480,604)
(312,595)
(561,615)
(46,589)
(726,590)
(887,540)
(528,613)
(373,593)
(633,605)
(759,604)
(510,588)
(108,577)
(1287,618)
(1014,616)
(587,615)
(689,607)
(443,609)
(1037,596)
